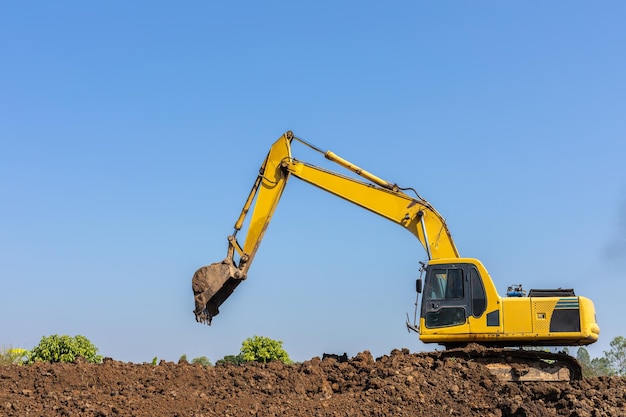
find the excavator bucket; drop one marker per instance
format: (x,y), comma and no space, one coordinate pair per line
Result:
(212,285)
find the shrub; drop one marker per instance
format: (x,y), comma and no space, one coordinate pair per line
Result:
(234,359)
(263,349)
(202,360)
(64,348)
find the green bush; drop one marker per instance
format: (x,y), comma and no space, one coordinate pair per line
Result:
(263,349)
(202,360)
(234,359)
(64,348)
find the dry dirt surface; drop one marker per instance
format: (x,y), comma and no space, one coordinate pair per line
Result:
(398,384)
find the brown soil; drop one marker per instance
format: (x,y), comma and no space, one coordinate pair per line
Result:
(400,384)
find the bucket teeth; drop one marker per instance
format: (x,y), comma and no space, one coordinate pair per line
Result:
(204,317)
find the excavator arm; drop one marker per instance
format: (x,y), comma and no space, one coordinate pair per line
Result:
(214,283)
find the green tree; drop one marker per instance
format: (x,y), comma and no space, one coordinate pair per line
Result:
(601,367)
(593,367)
(263,349)
(64,348)
(612,363)
(616,356)
(582,356)
(202,360)
(183,358)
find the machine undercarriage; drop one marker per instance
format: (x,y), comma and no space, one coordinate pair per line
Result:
(518,365)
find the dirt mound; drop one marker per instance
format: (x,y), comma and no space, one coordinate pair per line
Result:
(400,384)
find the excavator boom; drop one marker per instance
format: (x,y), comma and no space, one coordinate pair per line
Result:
(214,283)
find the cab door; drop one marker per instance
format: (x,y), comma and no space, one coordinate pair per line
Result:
(446,304)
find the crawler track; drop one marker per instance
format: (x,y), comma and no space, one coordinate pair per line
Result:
(519,365)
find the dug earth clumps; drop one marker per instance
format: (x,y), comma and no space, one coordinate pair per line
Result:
(398,384)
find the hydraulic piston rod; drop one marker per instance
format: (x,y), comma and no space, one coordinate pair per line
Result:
(359,171)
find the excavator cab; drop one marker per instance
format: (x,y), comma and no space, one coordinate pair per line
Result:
(460,305)
(452,293)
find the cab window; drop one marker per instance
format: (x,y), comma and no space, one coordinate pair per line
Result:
(448,316)
(446,284)
(479,298)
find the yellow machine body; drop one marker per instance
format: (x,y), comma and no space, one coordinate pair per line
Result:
(460,305)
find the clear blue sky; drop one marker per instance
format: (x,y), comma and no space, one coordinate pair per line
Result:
(131,133)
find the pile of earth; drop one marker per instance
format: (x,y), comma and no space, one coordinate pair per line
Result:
(399,384)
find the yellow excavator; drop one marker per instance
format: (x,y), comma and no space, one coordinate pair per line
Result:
(460,309)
